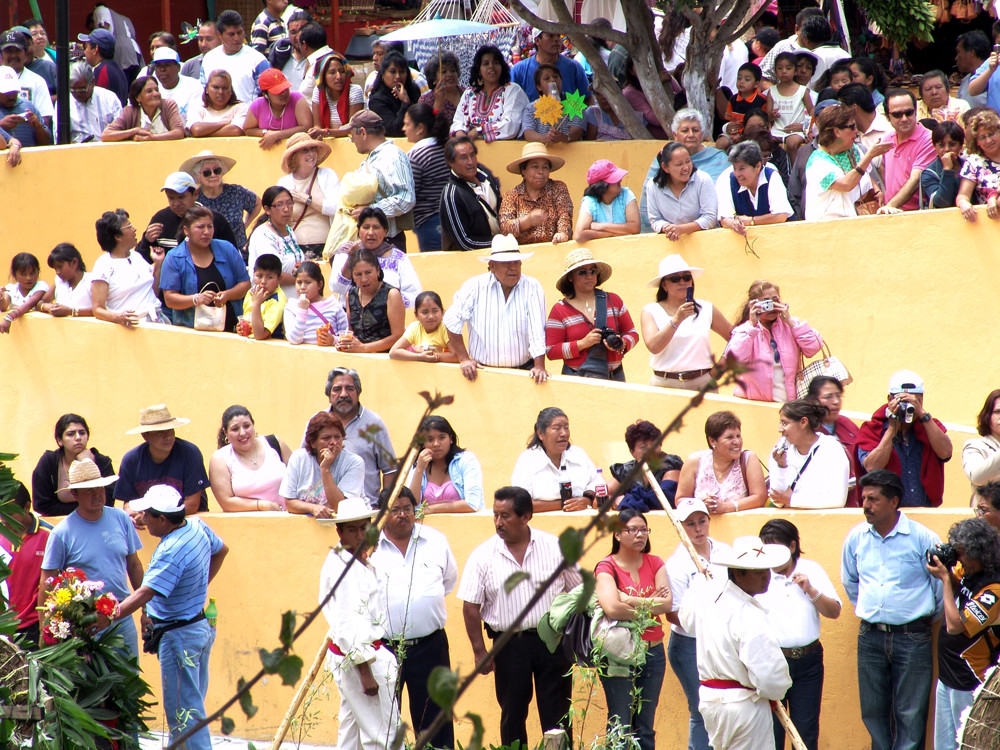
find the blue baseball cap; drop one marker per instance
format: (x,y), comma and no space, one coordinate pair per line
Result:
(100,37)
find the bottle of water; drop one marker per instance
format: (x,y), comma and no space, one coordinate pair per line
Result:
(212,612)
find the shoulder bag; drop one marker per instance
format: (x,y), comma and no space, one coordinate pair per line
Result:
(828,365)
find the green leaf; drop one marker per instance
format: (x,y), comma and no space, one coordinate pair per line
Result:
(476,740)
(290,669)
(251,746)
(371,535)
(442,686)
(246,702)
(571,545)
(228,725)
(271,659)
(514,579)
(589,584)
(287,628)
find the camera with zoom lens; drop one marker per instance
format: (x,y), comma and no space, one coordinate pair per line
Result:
(613,339)
(904,412)
(943,552)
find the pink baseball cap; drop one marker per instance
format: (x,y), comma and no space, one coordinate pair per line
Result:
(605,171)
(273,81)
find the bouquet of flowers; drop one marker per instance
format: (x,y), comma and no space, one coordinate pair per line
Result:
(72,605)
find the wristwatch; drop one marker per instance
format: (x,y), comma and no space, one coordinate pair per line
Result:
(926,418)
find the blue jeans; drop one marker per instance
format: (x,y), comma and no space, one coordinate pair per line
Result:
(184,670)
(895,672)
(948,707)
(646,681)
(429,234)
(682,652)
(803,699)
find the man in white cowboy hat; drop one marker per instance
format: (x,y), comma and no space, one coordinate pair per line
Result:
(740,663)
(101,541)
(175,588)
(505,312)
(163,458)
(364,669)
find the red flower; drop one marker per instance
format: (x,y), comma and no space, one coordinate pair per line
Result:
(47,636)
(105,605)
(75,574)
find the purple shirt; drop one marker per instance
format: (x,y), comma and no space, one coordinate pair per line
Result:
(266,121)
(916,152)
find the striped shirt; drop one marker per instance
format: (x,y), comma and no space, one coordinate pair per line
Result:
(502,332)
(567,325)
(395,194)
(266,30)
(178,571)
(491,564)
(301,325)
(430,173)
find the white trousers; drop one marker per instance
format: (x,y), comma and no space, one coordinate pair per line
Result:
(367,722)
(740,725)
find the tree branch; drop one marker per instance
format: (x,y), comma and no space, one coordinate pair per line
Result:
(557,27)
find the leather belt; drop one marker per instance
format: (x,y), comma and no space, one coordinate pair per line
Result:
(414,641)
(799,651)
(682,376)
(922,625)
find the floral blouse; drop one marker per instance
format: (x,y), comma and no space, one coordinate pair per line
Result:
(554,201)
(985,173)
(497,116)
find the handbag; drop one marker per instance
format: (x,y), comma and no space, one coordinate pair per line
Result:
(868,204)
(209,317)
(829,365)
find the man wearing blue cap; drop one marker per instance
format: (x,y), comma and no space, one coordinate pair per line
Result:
(99,51)
(185,92)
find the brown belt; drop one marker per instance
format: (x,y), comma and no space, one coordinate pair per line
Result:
(799,651)
(681,376)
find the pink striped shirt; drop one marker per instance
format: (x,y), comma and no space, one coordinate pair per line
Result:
(491,564)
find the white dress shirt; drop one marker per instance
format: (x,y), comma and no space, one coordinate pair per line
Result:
(682,573)
(536,473)
(793,616)
(777,195)
(89,118)
(355,613)
(413,586)
(502,332)
(820,484)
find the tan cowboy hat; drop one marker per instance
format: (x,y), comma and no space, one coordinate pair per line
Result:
(192,165)
(535,151)
(154,418)
(505,250)
(300,142)
(580,257)
(671,265)
(750,553)
(84,474)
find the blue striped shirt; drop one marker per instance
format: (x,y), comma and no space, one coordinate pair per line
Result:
(178,571)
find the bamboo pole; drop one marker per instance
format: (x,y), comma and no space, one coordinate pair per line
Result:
(300,695)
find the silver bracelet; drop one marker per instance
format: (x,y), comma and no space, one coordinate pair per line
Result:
(815,599)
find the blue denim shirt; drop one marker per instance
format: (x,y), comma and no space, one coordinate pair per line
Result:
(179,275)
(886,578)
(466,475)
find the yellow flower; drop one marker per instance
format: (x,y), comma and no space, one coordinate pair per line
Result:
(63,597)
(548,110)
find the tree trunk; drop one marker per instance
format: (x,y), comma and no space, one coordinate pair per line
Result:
(647,57)
(701,73)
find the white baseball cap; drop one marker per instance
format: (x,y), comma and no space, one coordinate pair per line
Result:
(9,82)
(905,381)
(160,497)
(685,506)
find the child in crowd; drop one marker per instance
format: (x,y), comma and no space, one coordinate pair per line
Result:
(746,98)
(805,67)
(70,296)
(425,339)
(788,105)
(313,319)
(837,76)
(264,305)
(24,293)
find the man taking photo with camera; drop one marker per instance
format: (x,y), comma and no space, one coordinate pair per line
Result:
(902,437)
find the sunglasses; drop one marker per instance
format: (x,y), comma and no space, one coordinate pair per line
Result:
(902,113)
(589,271)
(209,172)
(685,277)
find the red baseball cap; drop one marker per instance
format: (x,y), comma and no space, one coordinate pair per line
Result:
(273,80)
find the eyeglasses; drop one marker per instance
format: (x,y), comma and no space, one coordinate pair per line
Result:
(851,126)
(774,350)
(981,511)
(685,277)
(985,135)
(282,205)
(401,511)
(209,172)
(636,532)
(902,113)
(588,271)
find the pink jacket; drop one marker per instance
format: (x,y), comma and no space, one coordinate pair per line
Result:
(751,345)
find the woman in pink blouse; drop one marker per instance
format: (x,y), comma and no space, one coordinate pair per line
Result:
(279,113)
(492,106)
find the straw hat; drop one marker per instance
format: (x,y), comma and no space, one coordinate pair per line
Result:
(154,418)
(300,142)
(505,250)
(535,150)
(671,265)
(353,509)
(580,257)
(84,474)
(192,165)
(750,553)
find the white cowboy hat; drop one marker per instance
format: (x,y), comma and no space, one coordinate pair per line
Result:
(84,474)
(154,418)
(192,165)
(505,250)
(673,264)
(160,497)
(353,509)
(750,553)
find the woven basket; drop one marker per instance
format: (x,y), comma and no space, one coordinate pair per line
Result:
(981,722)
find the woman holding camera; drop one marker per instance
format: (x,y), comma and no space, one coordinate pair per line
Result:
(589,329)
(769,342)
(806,469)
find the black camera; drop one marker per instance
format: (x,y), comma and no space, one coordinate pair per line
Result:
(612,339)
(904,412)
(943,552)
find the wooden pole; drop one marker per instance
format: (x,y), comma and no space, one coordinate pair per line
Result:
(685,540)
(300,694)
(790,730)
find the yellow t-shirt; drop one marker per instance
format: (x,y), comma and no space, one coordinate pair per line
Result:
(421,339)
(271,310)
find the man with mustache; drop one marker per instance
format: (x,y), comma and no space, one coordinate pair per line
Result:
(885,576)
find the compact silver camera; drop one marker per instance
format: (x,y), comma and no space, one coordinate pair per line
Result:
(765,305)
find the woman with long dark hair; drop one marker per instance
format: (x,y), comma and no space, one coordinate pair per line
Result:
(981,455)
(272,234)
(492,106)
(428,132)
(50,494)
(393,94)
(680,198)
(335,99)
(447,478)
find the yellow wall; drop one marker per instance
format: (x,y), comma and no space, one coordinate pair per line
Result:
(274,566)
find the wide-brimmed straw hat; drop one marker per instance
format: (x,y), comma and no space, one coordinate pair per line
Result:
(505,249)
(84,474)
(750,553)
(192,165)
(671,265)
(535,150)
(581,257)
(300,142)
(156,418)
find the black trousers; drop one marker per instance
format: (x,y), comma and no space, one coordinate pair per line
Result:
(416,662)
(523,658)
